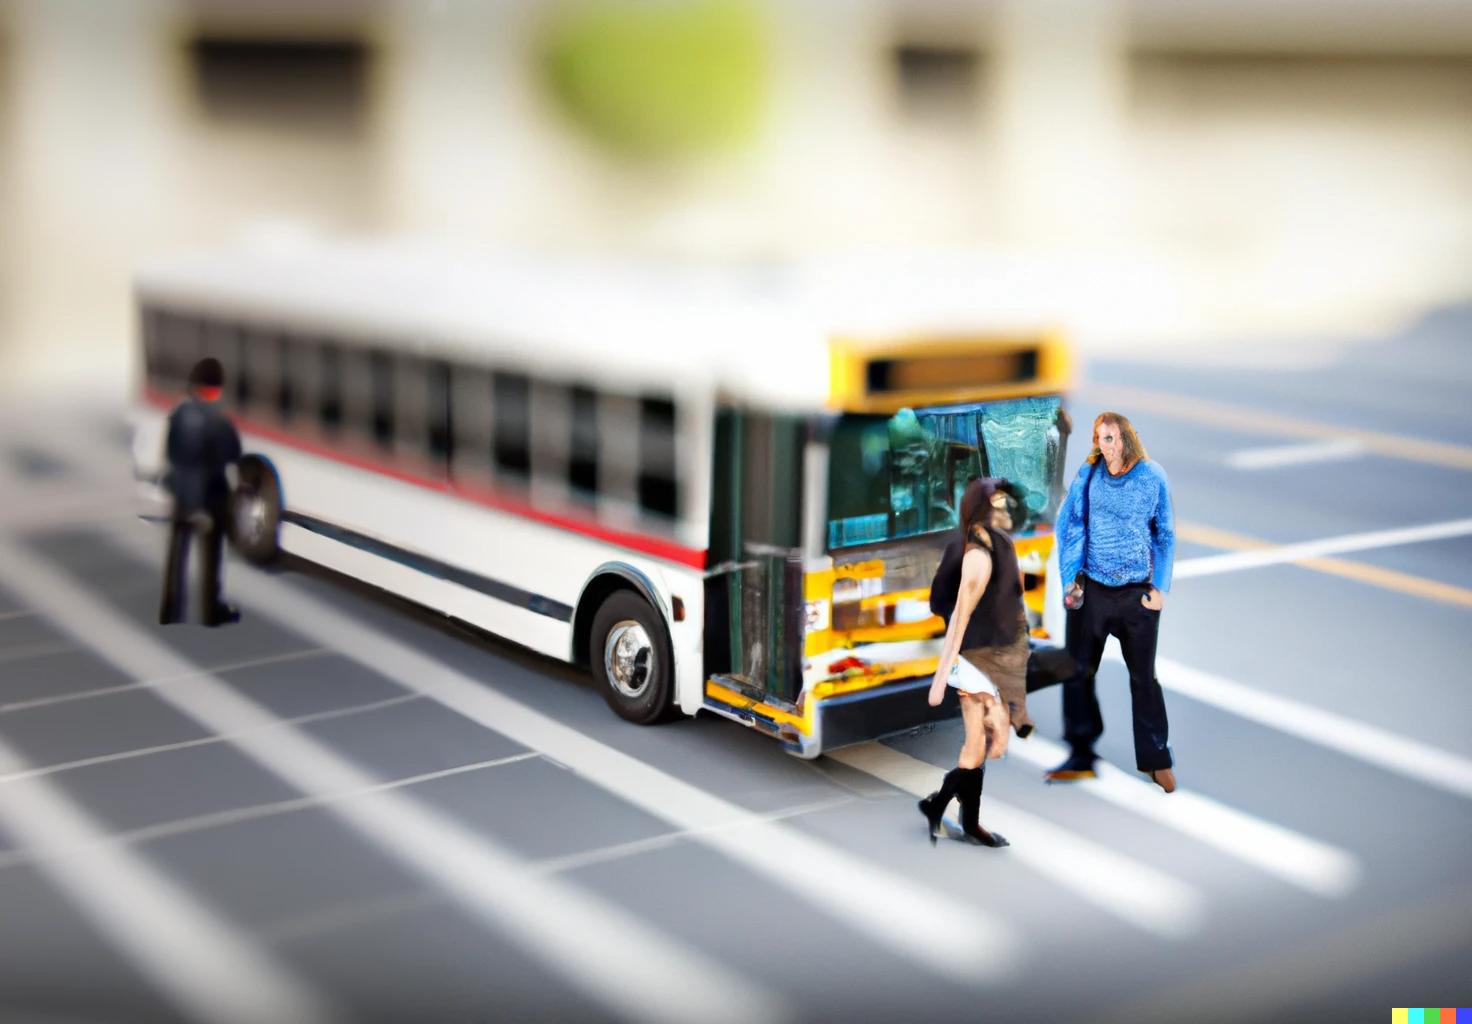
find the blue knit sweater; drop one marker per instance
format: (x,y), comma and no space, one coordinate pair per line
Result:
(1132,536)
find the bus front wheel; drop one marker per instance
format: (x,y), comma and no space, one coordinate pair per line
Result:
(631,659)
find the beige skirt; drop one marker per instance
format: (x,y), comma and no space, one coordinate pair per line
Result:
(1006,667)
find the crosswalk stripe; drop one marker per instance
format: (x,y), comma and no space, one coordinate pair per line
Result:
(1144,896)
(207,969)
(1414,760)
(569,931)
(976,947)
(1297,859)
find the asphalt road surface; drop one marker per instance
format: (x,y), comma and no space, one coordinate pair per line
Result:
(343,809)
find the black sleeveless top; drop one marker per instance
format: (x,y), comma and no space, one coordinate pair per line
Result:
(999,613)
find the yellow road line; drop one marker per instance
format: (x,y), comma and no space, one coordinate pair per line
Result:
(1389,579)
(1222,414)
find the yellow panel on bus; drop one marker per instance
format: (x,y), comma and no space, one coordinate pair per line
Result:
(868,377)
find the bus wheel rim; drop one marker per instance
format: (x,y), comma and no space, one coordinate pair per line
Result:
(252,518)
(628,658)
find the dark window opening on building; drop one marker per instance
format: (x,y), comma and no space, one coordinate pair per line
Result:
(511,435)
(938,81)
(316,84)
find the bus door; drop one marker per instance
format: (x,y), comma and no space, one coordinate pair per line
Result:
(754,589)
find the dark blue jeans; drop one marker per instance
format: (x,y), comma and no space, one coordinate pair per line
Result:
(1116,611)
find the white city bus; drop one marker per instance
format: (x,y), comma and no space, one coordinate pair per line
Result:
(721,493)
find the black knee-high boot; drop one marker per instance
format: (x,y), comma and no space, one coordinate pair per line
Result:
(934,806)
(970,794)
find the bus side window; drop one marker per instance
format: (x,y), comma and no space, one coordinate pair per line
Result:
(219,342)
(551,436)
(181,348)
(511,412)
(330,410)
(151,323)
(470,422)
(582,454)
(285,392)
(409,406)
(439,437)
(239,381)
(381,374)
(260,369)
(357,394)
(303,363)
(618,450)
(658,486)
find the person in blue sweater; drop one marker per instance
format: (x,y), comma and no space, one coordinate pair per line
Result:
(1120,562)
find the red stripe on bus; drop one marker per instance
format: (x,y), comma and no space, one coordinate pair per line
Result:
(483,496)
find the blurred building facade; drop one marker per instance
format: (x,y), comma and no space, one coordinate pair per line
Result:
(1186,172)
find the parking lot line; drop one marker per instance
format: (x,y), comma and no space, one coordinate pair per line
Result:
(1253,554)
(1387,579)
(569,931)
(255,812)
(1277,456)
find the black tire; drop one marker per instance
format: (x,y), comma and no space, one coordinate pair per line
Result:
(255,514)
(640,689)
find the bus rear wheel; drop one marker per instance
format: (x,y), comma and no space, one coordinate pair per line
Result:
(255,513)
(631,659)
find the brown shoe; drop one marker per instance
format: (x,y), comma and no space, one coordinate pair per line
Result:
(1165,779)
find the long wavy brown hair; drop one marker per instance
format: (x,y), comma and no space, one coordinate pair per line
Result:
(1134,451)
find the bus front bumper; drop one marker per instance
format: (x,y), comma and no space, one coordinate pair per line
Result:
(825,723)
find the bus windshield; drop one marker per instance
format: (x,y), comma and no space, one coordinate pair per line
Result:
(903,475)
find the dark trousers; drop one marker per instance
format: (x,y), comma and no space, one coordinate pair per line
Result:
(181,534)
(1116,611)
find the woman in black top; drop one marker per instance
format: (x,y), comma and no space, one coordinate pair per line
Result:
(988,627)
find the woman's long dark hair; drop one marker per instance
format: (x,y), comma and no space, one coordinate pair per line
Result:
(976,502)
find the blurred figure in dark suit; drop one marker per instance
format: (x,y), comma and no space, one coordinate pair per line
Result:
(201,444)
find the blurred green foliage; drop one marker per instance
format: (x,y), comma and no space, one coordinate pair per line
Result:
(659,78)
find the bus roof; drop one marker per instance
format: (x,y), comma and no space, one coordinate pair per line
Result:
(760,334)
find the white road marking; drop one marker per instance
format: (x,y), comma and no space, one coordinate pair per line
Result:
(1297,454)
(569,931)
(975,947)
(1418,761)
(1139,894)
(1297,859)
(1210,565)
(199,963)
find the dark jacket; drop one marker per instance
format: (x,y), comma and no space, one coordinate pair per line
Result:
(999,612)
(201,443)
